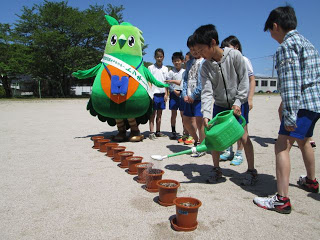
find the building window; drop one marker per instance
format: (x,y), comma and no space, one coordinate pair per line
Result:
(273,83)
(257,83)
(264,83)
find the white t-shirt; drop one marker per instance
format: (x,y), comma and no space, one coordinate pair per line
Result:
(160,74)
(249,66)
(175,75)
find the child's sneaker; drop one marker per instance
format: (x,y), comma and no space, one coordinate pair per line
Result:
(308,185)
(182,139)
(251,177)
(152,136)
(227,155)
(189,141)
(173,136)
(276,203)
(237,160)
(217,175)
(198,154)
(160,134)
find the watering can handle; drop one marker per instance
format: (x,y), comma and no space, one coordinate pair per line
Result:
(213,120)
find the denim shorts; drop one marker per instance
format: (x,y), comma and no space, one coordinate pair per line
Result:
(192,109)
(244,111)
(306,121)
(158,101)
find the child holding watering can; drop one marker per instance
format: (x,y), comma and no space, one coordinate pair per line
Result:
(225,81)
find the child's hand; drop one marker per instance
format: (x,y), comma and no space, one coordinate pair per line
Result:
(236,110)
(205,122)
(290,128)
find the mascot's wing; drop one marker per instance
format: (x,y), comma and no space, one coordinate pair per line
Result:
(152,79)
(82,74)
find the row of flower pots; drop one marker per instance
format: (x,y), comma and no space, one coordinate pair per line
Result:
(186,207)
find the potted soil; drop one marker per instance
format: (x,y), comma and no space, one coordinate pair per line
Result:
(124,158)
(186,213)
(102,144)
(152,177)
(109,147)
(168,189)
(142,171)
(95,141)
(116,151)
(132,161)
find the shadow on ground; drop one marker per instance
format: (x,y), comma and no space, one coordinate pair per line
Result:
(196,173)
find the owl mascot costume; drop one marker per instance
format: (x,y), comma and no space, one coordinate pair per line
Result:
(121,94)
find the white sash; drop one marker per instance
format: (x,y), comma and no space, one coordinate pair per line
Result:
(121,65)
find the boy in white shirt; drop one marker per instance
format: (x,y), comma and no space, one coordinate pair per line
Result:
(160,72)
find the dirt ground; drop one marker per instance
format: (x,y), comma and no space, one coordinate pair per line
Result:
(53,185)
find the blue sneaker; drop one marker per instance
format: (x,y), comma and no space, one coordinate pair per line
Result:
(237,160)
(227,155)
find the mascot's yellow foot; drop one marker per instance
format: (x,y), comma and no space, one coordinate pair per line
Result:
(120,137)
(135,136)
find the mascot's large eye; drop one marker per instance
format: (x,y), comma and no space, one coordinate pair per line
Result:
(131,41)
(113,40)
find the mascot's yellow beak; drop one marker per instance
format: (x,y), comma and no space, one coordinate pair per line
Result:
(122,40)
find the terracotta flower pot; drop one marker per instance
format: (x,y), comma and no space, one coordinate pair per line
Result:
(142,170)
(95,141)
(186,213)
(109,147)
(152,177)
(116,151)
(102,144)
(132,161)
(124,158)
(168,189)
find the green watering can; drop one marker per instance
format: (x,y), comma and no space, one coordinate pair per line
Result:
(222,131)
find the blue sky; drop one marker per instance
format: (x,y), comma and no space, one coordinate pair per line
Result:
(167,24)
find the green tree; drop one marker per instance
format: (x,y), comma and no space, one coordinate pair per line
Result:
(61,39)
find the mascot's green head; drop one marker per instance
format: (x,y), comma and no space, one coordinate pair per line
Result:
(123,38)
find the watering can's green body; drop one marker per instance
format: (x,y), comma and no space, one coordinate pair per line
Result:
(223,131)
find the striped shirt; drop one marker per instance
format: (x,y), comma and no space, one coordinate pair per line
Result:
(298,68)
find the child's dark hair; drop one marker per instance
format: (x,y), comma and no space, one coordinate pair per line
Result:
(233,41)
(160,50)
(190,41)
(178,55)
(285,17)
(205,34)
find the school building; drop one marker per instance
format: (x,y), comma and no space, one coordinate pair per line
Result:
(266,85)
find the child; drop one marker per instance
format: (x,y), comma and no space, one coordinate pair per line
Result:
(297,63)
(225,80)
(237,159)
(191,94)
(160,97)
(175,80)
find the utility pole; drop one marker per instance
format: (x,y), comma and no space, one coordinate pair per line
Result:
(39,88)
(273,65)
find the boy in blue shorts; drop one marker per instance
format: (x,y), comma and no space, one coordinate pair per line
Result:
(191,95)
(225,81)
(175,80)
(160,72)
(298,67)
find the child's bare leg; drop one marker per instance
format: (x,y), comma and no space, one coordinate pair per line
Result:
(248,148)
(151,121)
(283,167)
(215,158)
(173,117)
(308,156)
(158,120)
(191,127)
(200,127)
(185,131)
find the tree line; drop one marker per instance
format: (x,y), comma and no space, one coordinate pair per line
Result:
(51,40)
